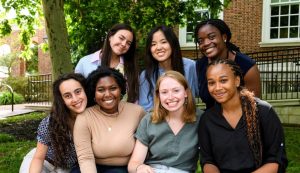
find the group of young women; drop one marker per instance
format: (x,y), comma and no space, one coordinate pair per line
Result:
(112,123)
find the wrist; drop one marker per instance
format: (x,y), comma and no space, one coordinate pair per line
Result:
(138,166)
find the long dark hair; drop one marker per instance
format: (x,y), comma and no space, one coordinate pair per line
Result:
(96,75)
(250,110)
(131,70)
(60,132)
(151,63)
(222,27)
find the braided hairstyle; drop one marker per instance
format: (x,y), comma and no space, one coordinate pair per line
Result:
(222,27)
(250,110)
(60,132)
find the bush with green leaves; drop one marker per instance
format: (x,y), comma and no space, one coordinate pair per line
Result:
(6,98)
(19,84)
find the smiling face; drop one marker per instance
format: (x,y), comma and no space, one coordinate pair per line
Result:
(211,42)
(172,94)
(120,42)
(73,96)
(160,47)
(108,94)
(222,83)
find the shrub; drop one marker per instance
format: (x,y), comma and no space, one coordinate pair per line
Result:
(6,98)
(19,84)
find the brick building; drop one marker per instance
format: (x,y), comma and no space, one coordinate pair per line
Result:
(256,25)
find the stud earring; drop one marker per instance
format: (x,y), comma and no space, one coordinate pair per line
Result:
(225,41)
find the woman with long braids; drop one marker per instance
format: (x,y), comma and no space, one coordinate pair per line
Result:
(240,133)
(117,52)
(213,38)
(55,151)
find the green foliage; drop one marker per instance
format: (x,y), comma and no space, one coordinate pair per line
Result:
(27,19)
(89,20)
(18,84)
(5,28)
(6,138)
(32,63)
(6,98)
(9,61)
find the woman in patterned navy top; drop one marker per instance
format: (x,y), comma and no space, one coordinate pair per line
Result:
(55,151)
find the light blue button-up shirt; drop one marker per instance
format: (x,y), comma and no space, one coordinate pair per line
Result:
(190,75)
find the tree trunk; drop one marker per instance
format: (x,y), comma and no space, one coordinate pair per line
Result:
(57,37)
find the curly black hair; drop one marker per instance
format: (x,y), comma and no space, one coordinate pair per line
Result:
(99,73)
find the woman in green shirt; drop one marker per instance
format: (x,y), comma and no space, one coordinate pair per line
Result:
(168,135)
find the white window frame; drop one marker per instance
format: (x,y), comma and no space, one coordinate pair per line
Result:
(182,34)
(266,41)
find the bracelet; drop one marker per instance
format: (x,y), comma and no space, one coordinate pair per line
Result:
(138,167)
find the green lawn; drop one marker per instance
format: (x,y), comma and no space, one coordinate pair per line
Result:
(17,137)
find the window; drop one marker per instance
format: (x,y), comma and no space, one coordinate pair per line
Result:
(281,23)
(186,33)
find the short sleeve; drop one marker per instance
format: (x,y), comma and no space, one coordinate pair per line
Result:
(43,135)
(141,133)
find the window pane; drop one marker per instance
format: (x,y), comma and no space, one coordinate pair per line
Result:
(294,32)
(274,10)
(274,1)
(294,20)
(283,33)
(284,9)
(189,37)
(274,21)
(274,33)
(284,21)
(284,0)
(294,9)
(189,27)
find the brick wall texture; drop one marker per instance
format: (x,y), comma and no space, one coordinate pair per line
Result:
(244,18)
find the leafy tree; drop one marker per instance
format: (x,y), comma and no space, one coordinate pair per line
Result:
(88,21)
(9,60)
(57,37)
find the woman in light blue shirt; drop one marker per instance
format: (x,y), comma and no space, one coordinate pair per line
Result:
(163,54)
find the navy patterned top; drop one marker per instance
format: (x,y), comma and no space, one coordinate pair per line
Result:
(43,136)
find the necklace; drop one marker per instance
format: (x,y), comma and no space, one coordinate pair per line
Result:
(108,117)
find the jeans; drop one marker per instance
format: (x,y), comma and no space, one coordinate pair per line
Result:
(111,169)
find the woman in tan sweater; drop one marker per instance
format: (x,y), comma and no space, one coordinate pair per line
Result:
(104,132)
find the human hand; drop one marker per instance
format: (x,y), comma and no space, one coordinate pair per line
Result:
(144,169)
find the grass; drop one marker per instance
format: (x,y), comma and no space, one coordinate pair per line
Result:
(17,137)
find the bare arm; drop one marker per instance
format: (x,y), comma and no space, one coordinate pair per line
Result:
(268,167)
(210,168)
(136,162)
(252,80)
(37,162)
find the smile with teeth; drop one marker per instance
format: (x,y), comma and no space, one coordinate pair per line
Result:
(173,103)
(209,50)
(108,101)
(78,104)
(160,53)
